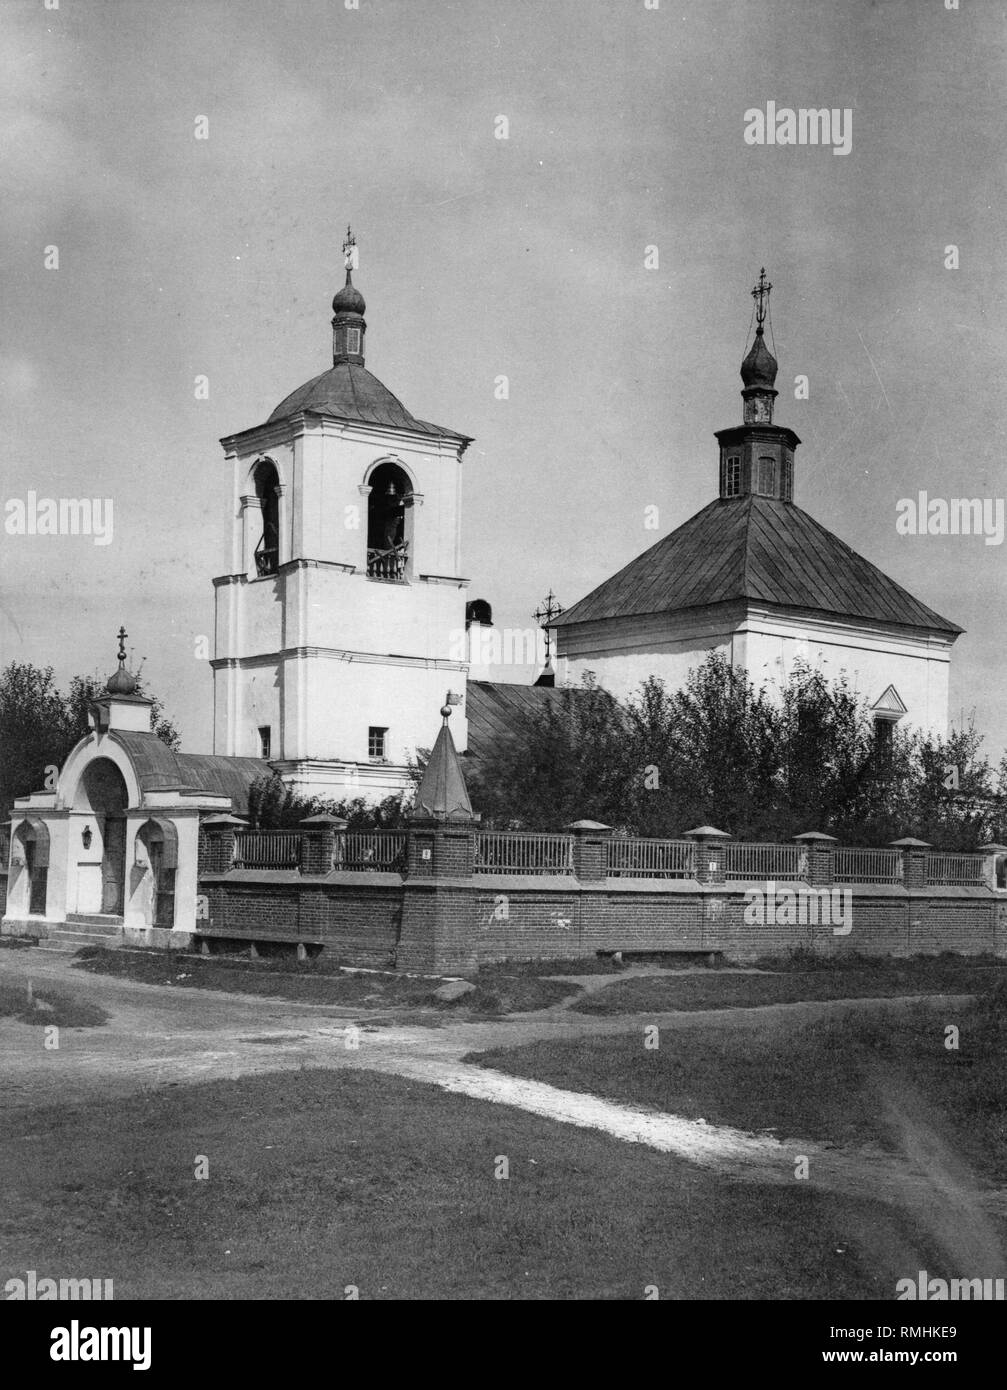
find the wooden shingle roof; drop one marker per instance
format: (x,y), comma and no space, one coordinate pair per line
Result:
(760,549)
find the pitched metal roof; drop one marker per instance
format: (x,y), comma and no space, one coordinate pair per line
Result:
(755,548)
(494,710)
(350,392)
(158,768)
(443,794)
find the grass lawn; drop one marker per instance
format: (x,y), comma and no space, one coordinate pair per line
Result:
(47,1006)
(319,982)
(813,1081)
(883,977)
(323,1179)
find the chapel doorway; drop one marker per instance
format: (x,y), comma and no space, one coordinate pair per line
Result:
(102,791)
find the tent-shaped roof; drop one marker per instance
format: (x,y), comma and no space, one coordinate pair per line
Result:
(350,392)
(760,549)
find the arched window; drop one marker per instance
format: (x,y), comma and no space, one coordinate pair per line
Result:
(267,489)
(389,523)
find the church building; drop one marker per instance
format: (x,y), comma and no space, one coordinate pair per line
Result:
(754,577)
(339,615)
(341,622)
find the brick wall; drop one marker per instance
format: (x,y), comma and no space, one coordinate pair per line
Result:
(439,925)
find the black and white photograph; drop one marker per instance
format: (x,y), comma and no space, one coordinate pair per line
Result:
(553,854)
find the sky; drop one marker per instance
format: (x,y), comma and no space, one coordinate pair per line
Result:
(480,257)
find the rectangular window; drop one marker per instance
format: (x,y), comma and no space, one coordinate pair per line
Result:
(376,741)
(732,477)
(265,741)
(767,477)
(353,340)
(883,743)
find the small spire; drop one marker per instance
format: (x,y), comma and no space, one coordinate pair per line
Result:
(443,794)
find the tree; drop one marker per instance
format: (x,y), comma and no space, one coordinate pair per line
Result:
(39,725)
(273,805)
(720,752)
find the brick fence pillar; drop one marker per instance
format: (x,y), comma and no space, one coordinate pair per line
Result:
(820,858)
(994,854)
(914,862)
(710,853)
(590,850)
(217,837)
(438,933)
(321,836)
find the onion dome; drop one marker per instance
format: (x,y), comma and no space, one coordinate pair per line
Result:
(760,366)
(349,300)
(122,682)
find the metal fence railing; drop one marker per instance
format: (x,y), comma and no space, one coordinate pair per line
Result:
(857,865)
(374,849)
(267,849)
(763,861)
(523,852)
(639,858)
(956,870)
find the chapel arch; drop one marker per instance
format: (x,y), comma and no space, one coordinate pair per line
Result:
(102,791)
(159,840)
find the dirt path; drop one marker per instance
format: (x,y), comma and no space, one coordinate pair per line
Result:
(160,1036)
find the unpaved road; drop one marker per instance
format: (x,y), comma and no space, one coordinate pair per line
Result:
(159,1035)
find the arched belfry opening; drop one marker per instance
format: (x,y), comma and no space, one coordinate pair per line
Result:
(389,523)
(267,490)
(102,792)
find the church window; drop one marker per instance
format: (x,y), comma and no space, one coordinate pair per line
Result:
(767,476)
(265,741)
(353,340)
(267,489)
(376,742)
(883,743)
(732,477)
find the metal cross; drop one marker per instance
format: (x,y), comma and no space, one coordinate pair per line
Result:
(549,608)
(123,634)
(761,294)
(350,259)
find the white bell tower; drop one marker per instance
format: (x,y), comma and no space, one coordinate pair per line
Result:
(340,622)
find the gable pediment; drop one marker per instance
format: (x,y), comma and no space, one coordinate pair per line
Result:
(889,705)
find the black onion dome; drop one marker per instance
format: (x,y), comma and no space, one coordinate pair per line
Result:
(760,366)
(121,683)
(349,300)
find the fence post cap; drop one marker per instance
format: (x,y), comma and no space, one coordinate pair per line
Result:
(582,825)
(708,832)
(323,818)
(222,821)
(817,835)
(907,842)
(993,848)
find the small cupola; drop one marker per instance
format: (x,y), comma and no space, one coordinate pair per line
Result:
(348,308)
(121,706)
(758,371)
(757,457)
